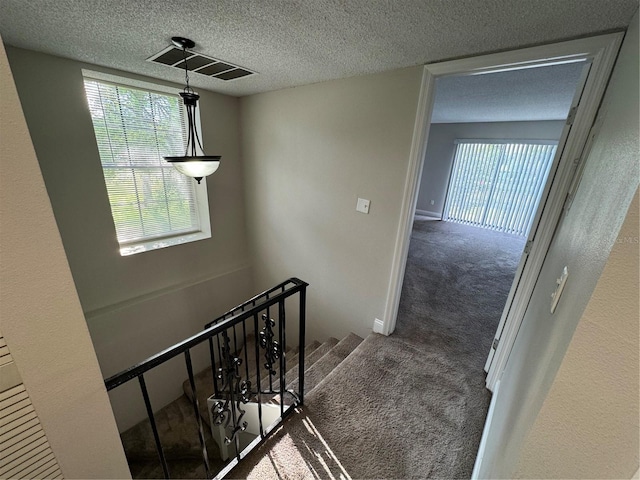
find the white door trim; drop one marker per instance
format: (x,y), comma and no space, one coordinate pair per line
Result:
(601,51)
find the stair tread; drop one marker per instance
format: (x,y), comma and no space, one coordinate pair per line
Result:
(338,369)
(330,360)
(178,431)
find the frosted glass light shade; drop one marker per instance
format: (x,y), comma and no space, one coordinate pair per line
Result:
(196,167)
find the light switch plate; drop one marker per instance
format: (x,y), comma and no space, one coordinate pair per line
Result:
(363,205)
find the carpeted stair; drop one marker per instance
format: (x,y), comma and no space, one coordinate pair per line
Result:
(178,430)
(411,405)
(348,427)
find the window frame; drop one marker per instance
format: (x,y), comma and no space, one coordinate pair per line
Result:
(201,201)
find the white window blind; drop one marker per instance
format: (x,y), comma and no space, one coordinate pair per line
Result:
(150,201)
(498,185)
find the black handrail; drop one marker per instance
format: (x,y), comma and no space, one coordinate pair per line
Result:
(235,390)
(253,301)
(167,354)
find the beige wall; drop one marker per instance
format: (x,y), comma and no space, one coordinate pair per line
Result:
(40,315)
(150,300)
(582,242)
(441,151)
(310,152)
(588,425)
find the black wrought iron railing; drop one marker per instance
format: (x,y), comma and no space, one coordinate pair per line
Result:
(248,361)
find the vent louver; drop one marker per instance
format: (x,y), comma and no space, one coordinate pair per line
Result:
(199,63)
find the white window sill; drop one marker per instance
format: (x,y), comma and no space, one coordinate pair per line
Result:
(162,243)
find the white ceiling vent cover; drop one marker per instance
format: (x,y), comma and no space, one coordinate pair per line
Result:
(199,63)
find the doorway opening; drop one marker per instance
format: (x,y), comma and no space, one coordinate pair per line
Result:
(597,55)
(494,159)
(493,148)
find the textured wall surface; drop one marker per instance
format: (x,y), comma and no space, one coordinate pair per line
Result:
(40,315)
(153,299)
(588,425)
(72,171)
(441,151)
(310,152)
(582,242)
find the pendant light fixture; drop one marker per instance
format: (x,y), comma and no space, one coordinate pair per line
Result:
(194,163)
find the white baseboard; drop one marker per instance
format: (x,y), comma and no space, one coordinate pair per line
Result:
(378,326)
(427,213)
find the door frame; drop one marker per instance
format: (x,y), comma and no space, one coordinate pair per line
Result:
(601,51)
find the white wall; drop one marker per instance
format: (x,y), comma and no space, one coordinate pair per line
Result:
(136,305)
(441,151)
(582,242)
(588,424)
(310,152)
(40,315)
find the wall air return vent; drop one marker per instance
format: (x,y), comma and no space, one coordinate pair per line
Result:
(199,63)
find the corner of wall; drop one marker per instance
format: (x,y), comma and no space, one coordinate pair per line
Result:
(42,320)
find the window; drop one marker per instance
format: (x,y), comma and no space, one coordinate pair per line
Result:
(136,125)
(498,185)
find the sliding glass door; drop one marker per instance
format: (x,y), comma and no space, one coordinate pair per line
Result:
(497,184)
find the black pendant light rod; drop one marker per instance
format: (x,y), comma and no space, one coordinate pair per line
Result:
(190,98)
(192,164)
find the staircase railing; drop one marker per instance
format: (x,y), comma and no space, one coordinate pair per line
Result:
(235,385)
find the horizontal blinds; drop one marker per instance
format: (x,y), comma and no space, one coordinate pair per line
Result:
(498,185)
(134,130)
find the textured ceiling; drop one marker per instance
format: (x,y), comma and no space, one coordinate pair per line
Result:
(297,42)
(542,93)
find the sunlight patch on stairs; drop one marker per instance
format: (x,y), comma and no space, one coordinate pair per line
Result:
(303,455)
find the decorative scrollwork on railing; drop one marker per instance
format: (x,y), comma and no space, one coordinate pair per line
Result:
(235,390)
(271,346)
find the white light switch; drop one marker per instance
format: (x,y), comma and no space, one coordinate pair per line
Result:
(363,205)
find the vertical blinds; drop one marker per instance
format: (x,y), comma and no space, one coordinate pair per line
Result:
(498,185)
(134,129)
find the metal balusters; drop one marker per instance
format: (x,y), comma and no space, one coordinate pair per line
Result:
(229,386)
(283,348)
(268,364)
(272,348)
(246,349)
(258,380)
(196,411)
(235,340)
(301,343)
(154,427)
(214,369)
(219,350)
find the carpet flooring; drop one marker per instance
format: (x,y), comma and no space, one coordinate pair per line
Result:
(411,405)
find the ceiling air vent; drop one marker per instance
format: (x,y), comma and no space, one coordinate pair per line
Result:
(202,64)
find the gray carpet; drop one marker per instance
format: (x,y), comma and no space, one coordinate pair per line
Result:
(179,435)
(411,405)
